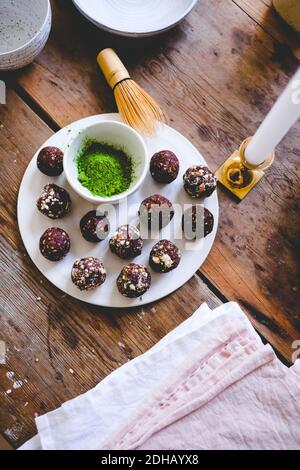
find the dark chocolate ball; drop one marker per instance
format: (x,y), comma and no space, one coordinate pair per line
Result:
(199,181)
(55,244)
(94,227)
(164,167)
(88,273)
(54,202)
(134,280)
(127,242)
(50,161)
(156,211)
(164,257)
(197,222)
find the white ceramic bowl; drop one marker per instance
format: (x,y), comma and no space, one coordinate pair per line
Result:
(119,135)
(136,18)
(24,29)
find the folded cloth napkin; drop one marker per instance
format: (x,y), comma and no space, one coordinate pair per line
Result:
(233,393)
(206,363)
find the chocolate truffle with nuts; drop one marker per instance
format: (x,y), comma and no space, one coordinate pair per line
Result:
(88,274)
(134,280)
(94,227)
(199,181)
(55,244)
(126,242)
(50,161)
(54,202)
(197,222)
(156,211)
(164,257)
(164,167)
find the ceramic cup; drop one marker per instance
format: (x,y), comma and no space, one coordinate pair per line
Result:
(24,29)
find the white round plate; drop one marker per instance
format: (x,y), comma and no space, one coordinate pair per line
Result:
(135,18)
(32,223)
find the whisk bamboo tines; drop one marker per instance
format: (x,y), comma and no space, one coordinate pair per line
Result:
(136,107)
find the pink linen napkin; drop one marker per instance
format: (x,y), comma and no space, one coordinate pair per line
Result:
(232,393)
(209,384)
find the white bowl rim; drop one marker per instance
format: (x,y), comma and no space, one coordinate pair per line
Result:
(25,45)
(118,197)
(146,32)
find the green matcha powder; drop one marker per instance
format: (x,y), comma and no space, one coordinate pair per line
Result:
(103,169)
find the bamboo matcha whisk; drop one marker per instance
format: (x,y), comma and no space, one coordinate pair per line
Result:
(136,107)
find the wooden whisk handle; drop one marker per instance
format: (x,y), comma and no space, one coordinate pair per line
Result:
(112,67)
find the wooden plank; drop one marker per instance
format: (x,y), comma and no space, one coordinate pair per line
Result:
(217,75)
(4,445)
(265,15)
(58,347)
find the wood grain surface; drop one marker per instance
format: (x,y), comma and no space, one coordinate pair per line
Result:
(4,445)
(262,13)
(216,75)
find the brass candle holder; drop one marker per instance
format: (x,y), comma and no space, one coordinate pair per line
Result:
(239,176)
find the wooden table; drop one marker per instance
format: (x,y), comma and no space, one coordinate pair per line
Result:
(217,75)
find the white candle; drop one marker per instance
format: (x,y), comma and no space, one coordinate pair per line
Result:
(278,122)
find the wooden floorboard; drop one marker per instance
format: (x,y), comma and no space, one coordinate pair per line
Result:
(265,15)
(4,445)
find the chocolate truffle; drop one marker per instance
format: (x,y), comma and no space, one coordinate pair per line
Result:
(50,161)
(156,211)
(54,202)
(197,222)
(55,244)
(164,257)
(88,273)
(94,227)
(127,242)
(134,280)
(199,181)
(164,167)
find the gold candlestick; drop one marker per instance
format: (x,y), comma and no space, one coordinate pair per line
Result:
(239,176)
